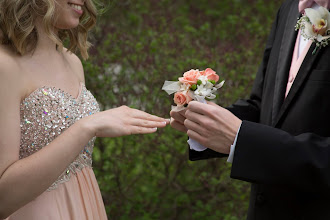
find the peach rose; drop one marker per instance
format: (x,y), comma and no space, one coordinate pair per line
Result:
(211,74)
(190,77)
(181,98)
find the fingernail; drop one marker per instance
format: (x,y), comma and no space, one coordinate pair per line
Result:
(155,129)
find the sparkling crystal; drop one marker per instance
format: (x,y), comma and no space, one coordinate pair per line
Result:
(59,110)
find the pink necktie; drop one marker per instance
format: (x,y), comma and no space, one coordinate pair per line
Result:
(303,4)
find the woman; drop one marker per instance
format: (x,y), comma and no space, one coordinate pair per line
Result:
(48,118)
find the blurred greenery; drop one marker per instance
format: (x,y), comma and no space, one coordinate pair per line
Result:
(137,46)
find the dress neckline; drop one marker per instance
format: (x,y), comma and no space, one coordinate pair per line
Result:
(81,86)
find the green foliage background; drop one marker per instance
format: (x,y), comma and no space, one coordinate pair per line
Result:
(137,46)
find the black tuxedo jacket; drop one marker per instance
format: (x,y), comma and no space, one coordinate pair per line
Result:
(283,147)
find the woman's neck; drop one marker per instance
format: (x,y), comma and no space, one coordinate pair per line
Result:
(44,45)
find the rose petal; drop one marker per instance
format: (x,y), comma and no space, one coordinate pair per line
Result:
(209,71)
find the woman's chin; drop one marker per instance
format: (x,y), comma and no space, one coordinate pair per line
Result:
(68,26)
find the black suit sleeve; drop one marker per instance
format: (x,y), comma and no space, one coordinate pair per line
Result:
(268,155)
(246,109)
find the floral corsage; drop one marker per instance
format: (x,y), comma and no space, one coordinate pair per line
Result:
(194,85)
(315,26)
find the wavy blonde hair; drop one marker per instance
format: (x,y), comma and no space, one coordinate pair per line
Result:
(18,25)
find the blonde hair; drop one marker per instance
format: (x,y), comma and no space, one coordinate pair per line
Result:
(18,25)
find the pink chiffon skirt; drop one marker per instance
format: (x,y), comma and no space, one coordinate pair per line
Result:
(77,199)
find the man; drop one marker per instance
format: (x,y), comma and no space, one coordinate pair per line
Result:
(280,136)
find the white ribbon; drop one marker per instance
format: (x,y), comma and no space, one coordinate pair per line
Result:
(194,145)
(171,86)
(178,108)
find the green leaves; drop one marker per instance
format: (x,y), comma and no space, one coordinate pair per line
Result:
(193,87)
(212,81)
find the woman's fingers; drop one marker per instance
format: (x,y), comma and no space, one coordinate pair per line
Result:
(142,130)
(146,116)
(147,123)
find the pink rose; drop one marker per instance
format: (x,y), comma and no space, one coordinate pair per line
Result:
(190,77)
(211,75)
(181,98)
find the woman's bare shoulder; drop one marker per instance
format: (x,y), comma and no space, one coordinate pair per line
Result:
(10,76)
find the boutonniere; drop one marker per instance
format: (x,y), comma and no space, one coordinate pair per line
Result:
(315,26)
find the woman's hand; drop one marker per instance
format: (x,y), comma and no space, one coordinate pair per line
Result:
(123,121)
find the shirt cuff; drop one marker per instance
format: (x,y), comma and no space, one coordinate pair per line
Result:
(232,147)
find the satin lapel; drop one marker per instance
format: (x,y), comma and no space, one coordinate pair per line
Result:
(284,60)
(303,72)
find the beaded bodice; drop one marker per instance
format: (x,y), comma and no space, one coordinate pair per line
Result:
(45,114)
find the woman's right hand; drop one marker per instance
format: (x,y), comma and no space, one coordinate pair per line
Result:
(123,121)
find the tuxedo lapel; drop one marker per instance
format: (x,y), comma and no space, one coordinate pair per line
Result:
(303,72)
(284,60)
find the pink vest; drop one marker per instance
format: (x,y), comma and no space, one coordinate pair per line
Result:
(296,62)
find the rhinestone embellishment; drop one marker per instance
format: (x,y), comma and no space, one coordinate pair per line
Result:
(45,114)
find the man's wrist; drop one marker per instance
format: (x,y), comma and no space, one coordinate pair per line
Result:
(233,146)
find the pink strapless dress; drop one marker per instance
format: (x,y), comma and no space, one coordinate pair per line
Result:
(75,195)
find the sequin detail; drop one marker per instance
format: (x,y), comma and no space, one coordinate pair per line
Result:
(45,114)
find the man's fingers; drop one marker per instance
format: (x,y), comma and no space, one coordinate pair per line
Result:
(178,126)
(183,112)
(178,116)
(212,103)
(195,117)
(210,109)
(191,125)
(198,107)
(197,137)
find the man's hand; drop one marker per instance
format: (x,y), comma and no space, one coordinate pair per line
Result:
(177,120)
(211,125)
